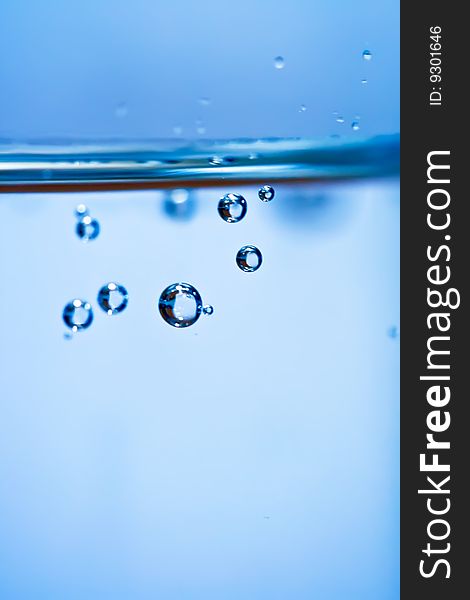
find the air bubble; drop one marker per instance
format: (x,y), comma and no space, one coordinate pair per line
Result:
(179,204)
(87,228)
(113,298)
(78,315)
(340,119)
(266,193)
(367,55)
(279,62)
(180,305)
(249,259)
(302,108)
(81,211)
(232,208)
(355,126)
(208,310)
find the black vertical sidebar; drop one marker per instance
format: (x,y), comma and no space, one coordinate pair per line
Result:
(435,41)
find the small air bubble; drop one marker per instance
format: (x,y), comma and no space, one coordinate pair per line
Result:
(232,208)
(204,101)
(208,310)
(355,126)
(266,193)
(367,55)
(113,298)
(87,228)
(81,211)
(279,62)
(302,108)
(249,259)
(340,119)
(78,315)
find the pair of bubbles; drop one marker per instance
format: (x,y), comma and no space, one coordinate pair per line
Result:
(180,305)
(112,299)
(232,209)
(87,227)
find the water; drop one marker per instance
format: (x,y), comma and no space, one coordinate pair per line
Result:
(78,315)
(232,207)
(254,454)
(113,298)
(149,410)
(249,258)
(266,193)
(180,305)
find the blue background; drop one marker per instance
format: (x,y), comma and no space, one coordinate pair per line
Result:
(67,66)
(254,455)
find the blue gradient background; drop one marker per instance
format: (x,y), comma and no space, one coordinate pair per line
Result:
(255,455)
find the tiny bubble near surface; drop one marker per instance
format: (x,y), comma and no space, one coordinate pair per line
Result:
(232,208)
(266,193)
(81,210)
(87,228)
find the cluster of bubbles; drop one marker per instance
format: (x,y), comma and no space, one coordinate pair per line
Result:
(180,304)
(232,208)
(87,228)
